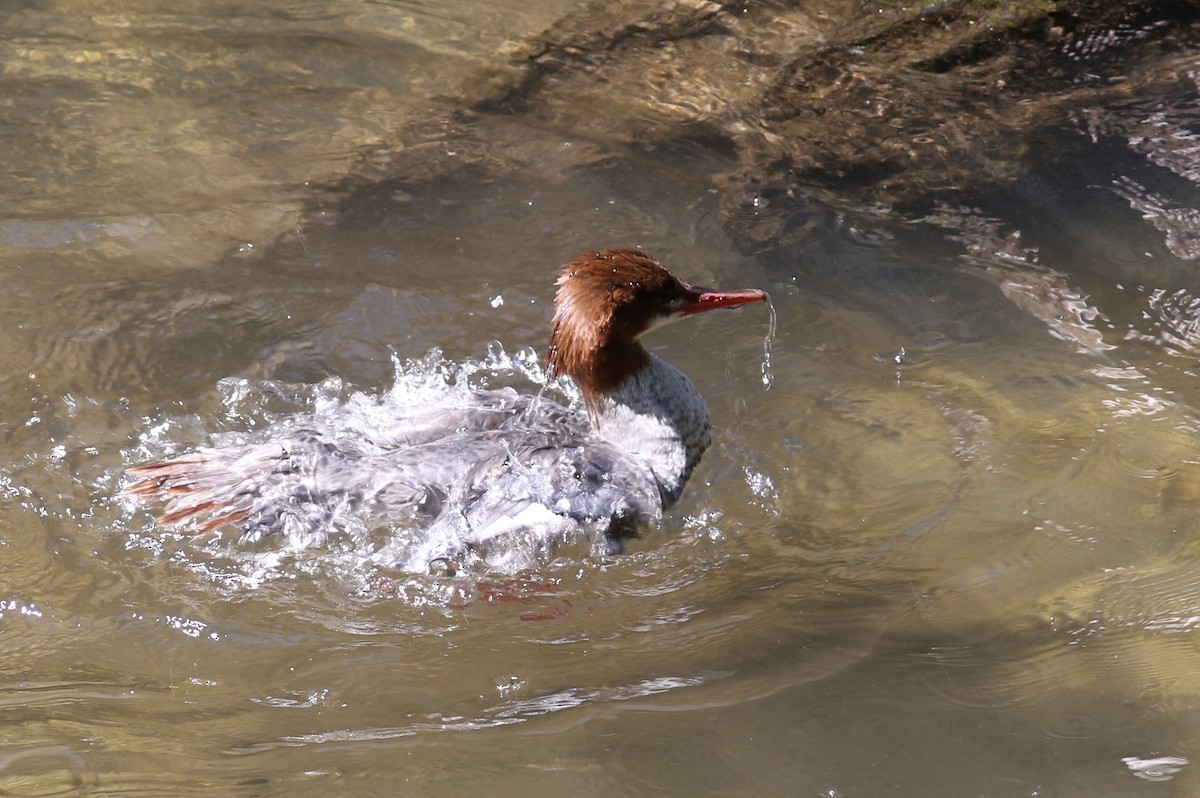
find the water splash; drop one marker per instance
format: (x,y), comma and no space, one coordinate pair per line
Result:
(768,376)
(1156,768)
(342,544)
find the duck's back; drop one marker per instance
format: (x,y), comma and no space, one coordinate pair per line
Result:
(502,463)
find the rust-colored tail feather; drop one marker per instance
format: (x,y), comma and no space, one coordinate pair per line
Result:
(180,483)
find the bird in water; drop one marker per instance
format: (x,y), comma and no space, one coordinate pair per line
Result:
(505,467)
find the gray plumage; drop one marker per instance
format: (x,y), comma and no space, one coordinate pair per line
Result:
(504,465)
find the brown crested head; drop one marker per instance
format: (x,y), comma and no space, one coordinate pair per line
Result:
(606,300)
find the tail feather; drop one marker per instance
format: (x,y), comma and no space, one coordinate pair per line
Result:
(219,515)
(294,484)
(207,490)
(154,476)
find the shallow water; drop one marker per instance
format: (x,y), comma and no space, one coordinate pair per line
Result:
(949,551)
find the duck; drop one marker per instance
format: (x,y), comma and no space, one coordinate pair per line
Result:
(502,470)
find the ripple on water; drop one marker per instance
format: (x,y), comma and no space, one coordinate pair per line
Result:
(1155,768)
(941,340)
(343,582)
(1033,679)
(1179,225)
(911,456)
(359,560)
(1137,626)
(1141,458)
(56,770)
(508,712)
(1014,671)
(1169,320)
(1159,597)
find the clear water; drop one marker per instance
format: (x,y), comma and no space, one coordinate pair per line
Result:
(949,551)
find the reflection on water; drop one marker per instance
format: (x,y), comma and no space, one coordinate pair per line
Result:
(949,552)
(1181,226)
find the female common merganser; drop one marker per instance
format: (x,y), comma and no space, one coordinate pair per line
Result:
(506,463)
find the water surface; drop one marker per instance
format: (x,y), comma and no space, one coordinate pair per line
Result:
(950,551)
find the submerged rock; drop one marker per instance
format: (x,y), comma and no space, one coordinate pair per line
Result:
(890,105)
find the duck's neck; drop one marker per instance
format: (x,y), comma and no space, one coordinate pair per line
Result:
(658,416)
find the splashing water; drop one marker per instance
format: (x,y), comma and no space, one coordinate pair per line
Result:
(343,545)
(343,539)
(768,376)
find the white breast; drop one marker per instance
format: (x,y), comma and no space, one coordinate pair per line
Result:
(659,417)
